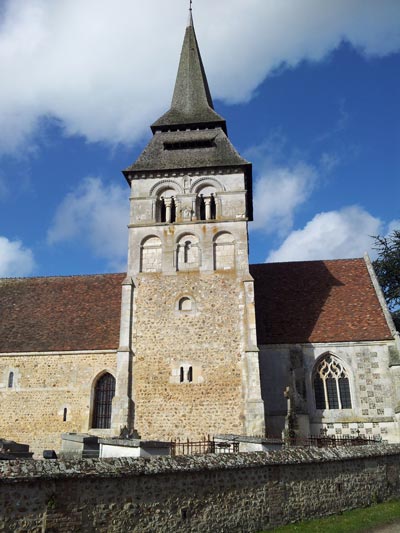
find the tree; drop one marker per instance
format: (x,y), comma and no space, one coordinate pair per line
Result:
(387,268)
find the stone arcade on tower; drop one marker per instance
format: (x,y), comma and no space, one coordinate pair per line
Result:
(200,342)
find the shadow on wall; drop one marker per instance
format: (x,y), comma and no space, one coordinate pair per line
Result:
(290,299)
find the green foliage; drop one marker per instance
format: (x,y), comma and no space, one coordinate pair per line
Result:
(354,521)
(387,268)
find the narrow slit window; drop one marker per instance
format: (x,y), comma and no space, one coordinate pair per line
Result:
(11,380)
(190,374)
(65,413)
(182,375)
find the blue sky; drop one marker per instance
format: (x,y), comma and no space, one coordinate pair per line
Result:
(311,97)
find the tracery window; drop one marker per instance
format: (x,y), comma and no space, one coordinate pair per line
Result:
(103,394)
(331,385)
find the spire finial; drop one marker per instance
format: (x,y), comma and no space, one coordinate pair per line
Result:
(190,20)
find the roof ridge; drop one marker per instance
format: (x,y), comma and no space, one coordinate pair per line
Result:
(60,276)
(308,261)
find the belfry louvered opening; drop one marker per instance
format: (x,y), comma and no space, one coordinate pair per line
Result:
(189,145)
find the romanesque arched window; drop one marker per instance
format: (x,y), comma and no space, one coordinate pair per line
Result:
(188,253)
(224,252)
(331,384)
(151,254)
(104,392)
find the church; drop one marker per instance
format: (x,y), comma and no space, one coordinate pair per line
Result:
(193,340)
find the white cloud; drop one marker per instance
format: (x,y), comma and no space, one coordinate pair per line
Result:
(277,194)
(106,69)
(15,259)
(331,235)
(393,225)
(95,214)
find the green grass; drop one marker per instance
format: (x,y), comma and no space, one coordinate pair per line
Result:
(349,521)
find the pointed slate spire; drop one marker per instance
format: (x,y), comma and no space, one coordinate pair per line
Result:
(192,105)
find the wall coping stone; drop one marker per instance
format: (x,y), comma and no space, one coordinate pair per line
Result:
(80,437)
(21,470)
(245,438)
(135,443)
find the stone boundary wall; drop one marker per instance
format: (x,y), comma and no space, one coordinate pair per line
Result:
(209,493)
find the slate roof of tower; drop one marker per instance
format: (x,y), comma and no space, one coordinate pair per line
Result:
(317,301)
(60,313)
(177,151)
(310,301)
(191,102)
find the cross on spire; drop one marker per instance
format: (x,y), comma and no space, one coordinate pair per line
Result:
(190,5)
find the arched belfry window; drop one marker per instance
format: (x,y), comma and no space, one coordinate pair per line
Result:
(104,392)
(331,384)
(206,206)
(166,206)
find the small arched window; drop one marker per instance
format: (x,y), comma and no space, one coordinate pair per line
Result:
(104,392)
(185,304)
(11,380)
(331,384)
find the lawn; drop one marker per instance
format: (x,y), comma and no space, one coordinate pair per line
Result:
(356,520)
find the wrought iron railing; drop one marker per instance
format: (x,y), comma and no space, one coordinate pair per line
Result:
(333,441)
(207,445)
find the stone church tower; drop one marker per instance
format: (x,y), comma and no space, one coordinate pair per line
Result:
(188,361)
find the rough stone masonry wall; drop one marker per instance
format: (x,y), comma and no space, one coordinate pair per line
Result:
(207,494)
(208,339)
(32,411)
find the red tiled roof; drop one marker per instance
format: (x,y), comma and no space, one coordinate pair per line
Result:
(60,313)
(311,301)
(317,301)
